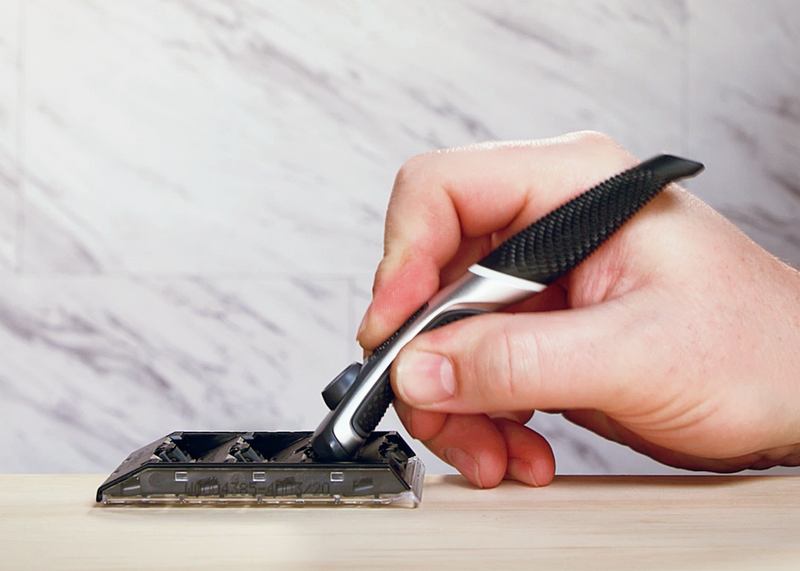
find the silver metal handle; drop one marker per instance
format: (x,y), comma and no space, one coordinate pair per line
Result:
(479,290)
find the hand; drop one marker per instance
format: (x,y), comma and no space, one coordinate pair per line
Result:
(678,337)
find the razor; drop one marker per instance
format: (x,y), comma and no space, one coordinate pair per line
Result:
(522,266)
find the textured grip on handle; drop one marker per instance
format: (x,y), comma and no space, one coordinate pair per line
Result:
(556,243)
(372,409)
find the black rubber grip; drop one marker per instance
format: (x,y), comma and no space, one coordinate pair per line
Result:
(556,243)
(382,347)
(372,409)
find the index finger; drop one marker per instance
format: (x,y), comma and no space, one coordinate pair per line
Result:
(452,207)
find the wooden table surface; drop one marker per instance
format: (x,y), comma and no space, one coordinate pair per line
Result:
(689,522)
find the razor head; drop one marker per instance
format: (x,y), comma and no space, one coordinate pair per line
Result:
(326,445)
(356,427)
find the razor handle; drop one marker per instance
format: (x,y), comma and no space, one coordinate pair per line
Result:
(522,266)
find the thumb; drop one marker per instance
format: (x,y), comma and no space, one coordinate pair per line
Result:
(560,360)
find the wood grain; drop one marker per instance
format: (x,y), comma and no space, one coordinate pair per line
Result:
(690,522)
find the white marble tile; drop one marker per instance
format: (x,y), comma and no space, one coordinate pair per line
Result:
(9,116)
(96,367)
(743,112)
(249,136)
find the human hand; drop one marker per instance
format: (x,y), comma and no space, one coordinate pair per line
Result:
(678,337)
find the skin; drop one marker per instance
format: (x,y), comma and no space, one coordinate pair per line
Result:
(678,337)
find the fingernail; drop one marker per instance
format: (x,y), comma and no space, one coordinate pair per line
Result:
(464,463)
(522,471)
(425,378)
(363,325)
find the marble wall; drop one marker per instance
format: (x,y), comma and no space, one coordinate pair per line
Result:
(192,192)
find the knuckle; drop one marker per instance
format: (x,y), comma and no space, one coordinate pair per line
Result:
(603,144)
(411,169)
(507,369)
(524,355)
(596,138)
(509,380)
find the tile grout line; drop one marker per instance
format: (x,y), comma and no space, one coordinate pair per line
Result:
(20,135)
